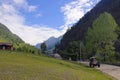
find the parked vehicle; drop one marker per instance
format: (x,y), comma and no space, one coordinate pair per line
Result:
(93,62)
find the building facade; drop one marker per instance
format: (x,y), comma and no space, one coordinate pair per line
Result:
(6,46)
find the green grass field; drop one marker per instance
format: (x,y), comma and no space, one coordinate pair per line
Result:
(19,66)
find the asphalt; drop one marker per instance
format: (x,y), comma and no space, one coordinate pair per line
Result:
(111,70)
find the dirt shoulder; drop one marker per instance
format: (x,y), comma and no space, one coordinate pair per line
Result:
(108,69)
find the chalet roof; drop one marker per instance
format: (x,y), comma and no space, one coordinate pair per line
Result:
(4,43)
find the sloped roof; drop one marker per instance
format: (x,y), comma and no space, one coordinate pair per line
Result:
(4,43)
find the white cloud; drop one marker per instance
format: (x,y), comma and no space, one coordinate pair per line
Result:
(33,34)
(20,1)
(10,16)
(38,15)
(24,4)
(74,10)
(32,8)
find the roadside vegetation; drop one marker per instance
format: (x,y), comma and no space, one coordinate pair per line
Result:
(101,41)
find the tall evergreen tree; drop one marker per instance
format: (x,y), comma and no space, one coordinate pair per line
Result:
(101,37)
(43,47)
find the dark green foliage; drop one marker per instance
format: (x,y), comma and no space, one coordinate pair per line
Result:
(74,51)
(23,47)
(43,47)
(99,41)
(79,30)
(101,37)
(73,47)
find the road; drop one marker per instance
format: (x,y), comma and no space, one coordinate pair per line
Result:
(111,70)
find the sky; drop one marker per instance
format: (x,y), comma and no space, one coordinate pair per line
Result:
(34,21)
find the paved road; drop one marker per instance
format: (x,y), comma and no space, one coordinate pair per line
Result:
(109,69)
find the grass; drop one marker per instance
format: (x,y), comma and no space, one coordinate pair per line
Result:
(21,66)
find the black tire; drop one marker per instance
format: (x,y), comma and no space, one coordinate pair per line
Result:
(90,65)
(98,65)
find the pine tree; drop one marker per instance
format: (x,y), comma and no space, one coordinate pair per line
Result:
(101,37)
(43,47)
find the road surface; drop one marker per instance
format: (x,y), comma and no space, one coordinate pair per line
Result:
(111,70)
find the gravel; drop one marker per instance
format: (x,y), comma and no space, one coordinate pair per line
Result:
(111,70)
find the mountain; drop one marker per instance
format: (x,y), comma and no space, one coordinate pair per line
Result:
(51,42)
(7,36)
(79,30)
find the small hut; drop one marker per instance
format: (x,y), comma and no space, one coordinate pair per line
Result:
(57,56)
(6,46)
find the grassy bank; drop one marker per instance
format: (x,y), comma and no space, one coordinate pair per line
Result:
(20,66)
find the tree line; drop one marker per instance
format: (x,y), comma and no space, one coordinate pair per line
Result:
(99,41)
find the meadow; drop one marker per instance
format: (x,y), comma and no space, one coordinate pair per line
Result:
(24,66)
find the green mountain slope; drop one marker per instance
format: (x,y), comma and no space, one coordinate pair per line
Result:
(7,36)
(79,30)
(21,66)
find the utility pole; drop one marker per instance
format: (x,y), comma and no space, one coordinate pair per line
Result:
(80,51)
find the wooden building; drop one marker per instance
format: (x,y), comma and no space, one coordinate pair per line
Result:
(6,46)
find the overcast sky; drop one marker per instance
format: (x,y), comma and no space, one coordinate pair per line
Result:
(36,20)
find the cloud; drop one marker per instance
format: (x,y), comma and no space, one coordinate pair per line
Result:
(21,4)
(10,16)
(33,34)
(32,8)
(20,1)
(74,10)
(38,15)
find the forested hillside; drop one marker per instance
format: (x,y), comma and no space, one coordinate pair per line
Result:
(74,42)
(7,36)
(79,30)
